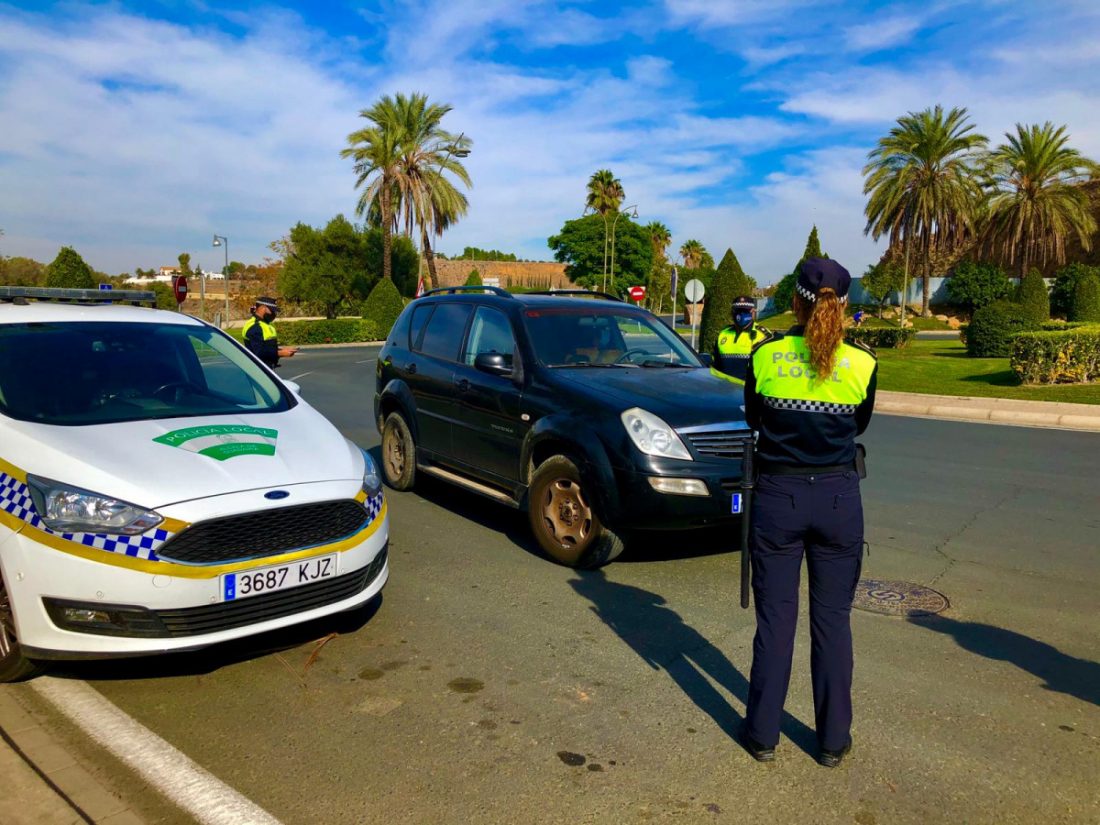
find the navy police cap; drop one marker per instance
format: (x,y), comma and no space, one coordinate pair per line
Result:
(816,274)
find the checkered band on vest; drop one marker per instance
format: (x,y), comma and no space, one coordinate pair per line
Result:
(15,499)
(801,405)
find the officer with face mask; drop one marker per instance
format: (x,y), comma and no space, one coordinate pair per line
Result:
(259,333)
(735,342)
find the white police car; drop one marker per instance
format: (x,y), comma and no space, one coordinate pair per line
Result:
(162,490)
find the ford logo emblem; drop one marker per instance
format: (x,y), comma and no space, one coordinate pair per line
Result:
(276,494)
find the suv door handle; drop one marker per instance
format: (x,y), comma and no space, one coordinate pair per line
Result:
(411,369)
(463,384)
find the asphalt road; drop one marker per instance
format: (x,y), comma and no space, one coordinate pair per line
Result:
(494,687)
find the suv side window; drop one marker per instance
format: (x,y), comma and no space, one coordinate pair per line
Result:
(491,332)
(420,317)
(443,335)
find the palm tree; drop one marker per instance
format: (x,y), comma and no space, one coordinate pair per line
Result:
(425,197)
(1035,197)
(660,237)
(376,151)
(605,195)
(922,186)
(692,253)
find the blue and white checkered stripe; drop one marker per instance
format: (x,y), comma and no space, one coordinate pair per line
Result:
(15,499)
(373,506)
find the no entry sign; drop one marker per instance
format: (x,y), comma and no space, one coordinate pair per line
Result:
(637,293)
(179,286)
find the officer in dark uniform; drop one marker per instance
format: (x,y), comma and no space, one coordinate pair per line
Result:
(808,394)
(735,342)
(259,333)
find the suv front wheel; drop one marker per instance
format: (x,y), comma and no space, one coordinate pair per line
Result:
(563,519)
(398,453)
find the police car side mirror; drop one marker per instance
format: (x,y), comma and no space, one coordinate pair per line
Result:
(293,386)
(705,357)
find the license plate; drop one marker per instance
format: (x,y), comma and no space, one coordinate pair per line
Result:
(279,577)
(735,503)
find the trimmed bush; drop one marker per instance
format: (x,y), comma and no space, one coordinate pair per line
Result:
(888,338)
(1032,295)
(69,270)
(382,307)
(989,334)
(335,331)
(1065,285)
(1067,357)
(1060,326)
(1086,298)
(974,285)
(729,282)
(474,278)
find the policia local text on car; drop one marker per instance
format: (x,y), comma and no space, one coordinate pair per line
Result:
(808,394)
(735,342)
(260,336)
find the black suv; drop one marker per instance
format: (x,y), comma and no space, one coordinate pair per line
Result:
(588,412)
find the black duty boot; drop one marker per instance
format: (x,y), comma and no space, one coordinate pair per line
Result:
(761,753)
(831,759)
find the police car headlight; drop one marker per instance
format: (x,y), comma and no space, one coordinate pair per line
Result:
(653,436)
(67,509)
(372,480)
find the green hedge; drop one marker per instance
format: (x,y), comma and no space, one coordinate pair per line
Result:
(338,331)
(890,338)
(1068,357)
(989,333)
(1061,326)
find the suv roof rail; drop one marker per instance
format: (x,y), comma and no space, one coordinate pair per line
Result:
(451,290)
(583,292)
(23,294)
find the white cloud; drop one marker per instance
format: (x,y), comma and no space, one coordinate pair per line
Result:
(881,34)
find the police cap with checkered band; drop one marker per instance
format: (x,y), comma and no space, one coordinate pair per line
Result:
(816,274)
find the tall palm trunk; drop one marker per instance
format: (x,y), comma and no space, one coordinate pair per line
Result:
(387,240)
(429,256)
(926,300)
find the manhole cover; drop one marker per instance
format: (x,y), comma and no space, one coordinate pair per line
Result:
(894,598)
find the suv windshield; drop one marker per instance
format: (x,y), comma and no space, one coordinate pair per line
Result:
(98,373)
(600,336)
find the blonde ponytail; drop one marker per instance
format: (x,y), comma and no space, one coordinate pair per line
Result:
(824,332)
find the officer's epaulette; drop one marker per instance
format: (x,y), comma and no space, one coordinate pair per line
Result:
(860,345)
(771,339)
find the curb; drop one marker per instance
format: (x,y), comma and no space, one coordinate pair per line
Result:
(47,783)
(1081,417)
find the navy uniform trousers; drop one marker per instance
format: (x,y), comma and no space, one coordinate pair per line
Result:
(821,516)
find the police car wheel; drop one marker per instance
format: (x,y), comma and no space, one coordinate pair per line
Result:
(13,665)
(563,519)
(398,453)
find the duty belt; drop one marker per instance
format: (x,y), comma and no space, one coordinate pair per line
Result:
(771,468)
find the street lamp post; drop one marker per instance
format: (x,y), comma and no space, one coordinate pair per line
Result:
(617,215)
(222,241)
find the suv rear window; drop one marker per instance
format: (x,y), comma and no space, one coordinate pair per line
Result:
(443,336)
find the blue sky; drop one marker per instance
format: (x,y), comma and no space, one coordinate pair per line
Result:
(134,131)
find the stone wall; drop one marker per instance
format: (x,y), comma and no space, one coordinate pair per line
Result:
(530,274)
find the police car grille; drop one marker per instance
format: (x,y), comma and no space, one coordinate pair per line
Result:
(719,443)
(194,621)
(265,533)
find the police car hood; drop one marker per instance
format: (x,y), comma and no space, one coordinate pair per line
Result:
(681,397)
(160,462)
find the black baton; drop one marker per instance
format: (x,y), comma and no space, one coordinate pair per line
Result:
(747,482)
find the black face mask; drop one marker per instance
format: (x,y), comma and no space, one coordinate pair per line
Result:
(271,315)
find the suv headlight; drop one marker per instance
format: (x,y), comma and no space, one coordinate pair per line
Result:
(372,481)
(653,436)
(68,509)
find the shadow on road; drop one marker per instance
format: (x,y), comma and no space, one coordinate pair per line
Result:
(1062,673)
(210,659)
(664,641)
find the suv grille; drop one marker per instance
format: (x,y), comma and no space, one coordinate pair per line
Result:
(265,532)
(719,443)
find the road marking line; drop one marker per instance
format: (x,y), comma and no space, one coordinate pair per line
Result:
(367,361)
(205,797)
(301,375)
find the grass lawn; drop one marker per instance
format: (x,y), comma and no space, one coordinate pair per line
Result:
(943,368)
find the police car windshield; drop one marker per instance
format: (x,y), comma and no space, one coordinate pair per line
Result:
(98,373)
(598,336)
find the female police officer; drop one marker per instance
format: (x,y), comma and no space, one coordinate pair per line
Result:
(808,394)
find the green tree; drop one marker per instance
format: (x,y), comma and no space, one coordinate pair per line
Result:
(474,278)
(1065,287)
(579,246)
(1032,295)
(975,285)
(660,276)
(1035,197)
(729,282)
(1086,298)
(383,305)
(69,270)
(604,196)
(472,253)
(921,185)
(404,263)
(783,297)
(881,281)
(692,252)
(325,266)
(19,271)
(184,264)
